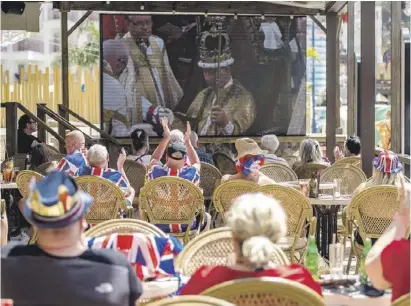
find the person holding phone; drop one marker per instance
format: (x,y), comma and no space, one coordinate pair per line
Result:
(388,262)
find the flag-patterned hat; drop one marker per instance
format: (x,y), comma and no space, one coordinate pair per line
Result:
(387,162)
(56,202)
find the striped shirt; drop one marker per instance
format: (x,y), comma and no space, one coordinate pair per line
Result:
(73,162)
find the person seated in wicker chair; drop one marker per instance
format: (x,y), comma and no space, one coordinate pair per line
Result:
(250,160)
(98,158)
(140,145)
(352,148)
(76,153)
(270,143)
(60,258)
(388,262)
(310,152)
(202,154)
(387,170)
(176,164)
(39,155)
(257,223)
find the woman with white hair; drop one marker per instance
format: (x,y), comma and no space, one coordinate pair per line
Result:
(271,144)
(310,153)
(258,223)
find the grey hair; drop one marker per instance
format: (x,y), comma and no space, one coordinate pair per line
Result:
(194,139)
(257,222)
(176,136)
(310,151)
(380,178)
(96,155)
(114,47)
(270,143)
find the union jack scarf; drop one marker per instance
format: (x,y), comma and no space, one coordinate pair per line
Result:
(387,162)
(112,175)
(187,172)
(248,163)
(150,256)
(73,162)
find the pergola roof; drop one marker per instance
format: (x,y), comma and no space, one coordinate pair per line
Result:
(297,8)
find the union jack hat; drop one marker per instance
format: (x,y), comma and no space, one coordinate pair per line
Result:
(387,162)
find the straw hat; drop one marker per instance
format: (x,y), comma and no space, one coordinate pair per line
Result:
(247,146)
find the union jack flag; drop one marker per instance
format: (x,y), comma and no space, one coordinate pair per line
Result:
(112,175)
(387,162)
(71,163)
(247,163)
(187,172)
(150,256)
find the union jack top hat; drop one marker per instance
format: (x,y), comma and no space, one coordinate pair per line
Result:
(387,162)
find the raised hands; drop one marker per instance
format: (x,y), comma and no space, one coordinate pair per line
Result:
(187,135)
(166,129)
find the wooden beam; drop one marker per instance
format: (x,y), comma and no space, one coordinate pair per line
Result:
(335,6)
(79,22)
(396,89)
(64,72)
(351,73)
(332,83)
(11,128)
(41,132)
(367,83)
(190,7)
(320,25)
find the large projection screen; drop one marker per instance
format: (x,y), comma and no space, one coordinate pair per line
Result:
(226,75)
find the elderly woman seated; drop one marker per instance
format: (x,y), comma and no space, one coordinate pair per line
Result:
(257,222)
(98,158)
(387,170)
(250,160)
(310,153)
(271,143)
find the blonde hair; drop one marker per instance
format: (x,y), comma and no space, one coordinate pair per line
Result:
(380,178)
(77,137)
(257,222)
(310,151)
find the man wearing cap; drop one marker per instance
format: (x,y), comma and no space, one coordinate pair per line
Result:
(225,108)
(76,153)
(58,269)
(250,160)
(176,165)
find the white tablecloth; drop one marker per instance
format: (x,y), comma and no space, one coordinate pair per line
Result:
(8,186)
(166,287)
(330,201)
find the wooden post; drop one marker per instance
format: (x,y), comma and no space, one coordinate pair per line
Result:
(367,83)
(41,132)
(332,83)
(64,71)
(396,89)
(351,73)
(11,128)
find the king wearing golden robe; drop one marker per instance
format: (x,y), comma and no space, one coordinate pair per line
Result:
(148,72)
(225,108)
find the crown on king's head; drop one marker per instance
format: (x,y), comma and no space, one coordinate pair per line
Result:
(215,48)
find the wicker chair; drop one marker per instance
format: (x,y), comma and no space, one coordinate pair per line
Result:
(172,200)
(124,226)
(291,160)
(108,199)
(371,212)
(279,172)
(23,181)
(306,171)
(214,248)
(352,160)
(358,164)
(299,215)
(44,168)
(225,194)
(265,291)
(19,161)
(190,300)
(136,174)
(402,301)
(351,177)
(224,163)
(210,178)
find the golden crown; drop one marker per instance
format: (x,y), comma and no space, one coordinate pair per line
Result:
(215,45)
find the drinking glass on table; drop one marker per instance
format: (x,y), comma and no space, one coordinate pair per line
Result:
(7,173)
(337,188)
(336,258)
(14,174)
